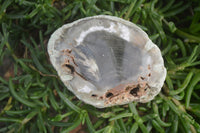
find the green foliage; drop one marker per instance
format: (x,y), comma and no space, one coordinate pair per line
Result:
(34,99)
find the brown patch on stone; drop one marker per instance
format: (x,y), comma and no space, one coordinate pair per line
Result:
(149,67)
(142,78)
(142,84)
(134,91)
(69,64)
(70,69)
(68,53)
(141,68)
(143,88)
(80,75)
(94,95)
(67,61)
(109,94)
(125,92)
(149,74)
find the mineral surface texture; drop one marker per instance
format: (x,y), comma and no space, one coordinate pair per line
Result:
(107,61)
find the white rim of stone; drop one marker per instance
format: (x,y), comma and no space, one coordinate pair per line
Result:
(148,46)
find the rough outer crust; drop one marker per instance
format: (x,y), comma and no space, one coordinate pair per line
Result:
(147,89)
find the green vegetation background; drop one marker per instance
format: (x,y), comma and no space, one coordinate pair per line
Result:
(33,99)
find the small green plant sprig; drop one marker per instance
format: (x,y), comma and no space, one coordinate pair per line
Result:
(34,100)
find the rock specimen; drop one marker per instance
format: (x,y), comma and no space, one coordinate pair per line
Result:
(106,61)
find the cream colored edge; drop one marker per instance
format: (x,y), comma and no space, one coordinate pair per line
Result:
(56,35)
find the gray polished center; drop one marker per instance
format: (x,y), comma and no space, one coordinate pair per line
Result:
(117,60)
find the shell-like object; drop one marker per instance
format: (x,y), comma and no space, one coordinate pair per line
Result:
(106,61)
